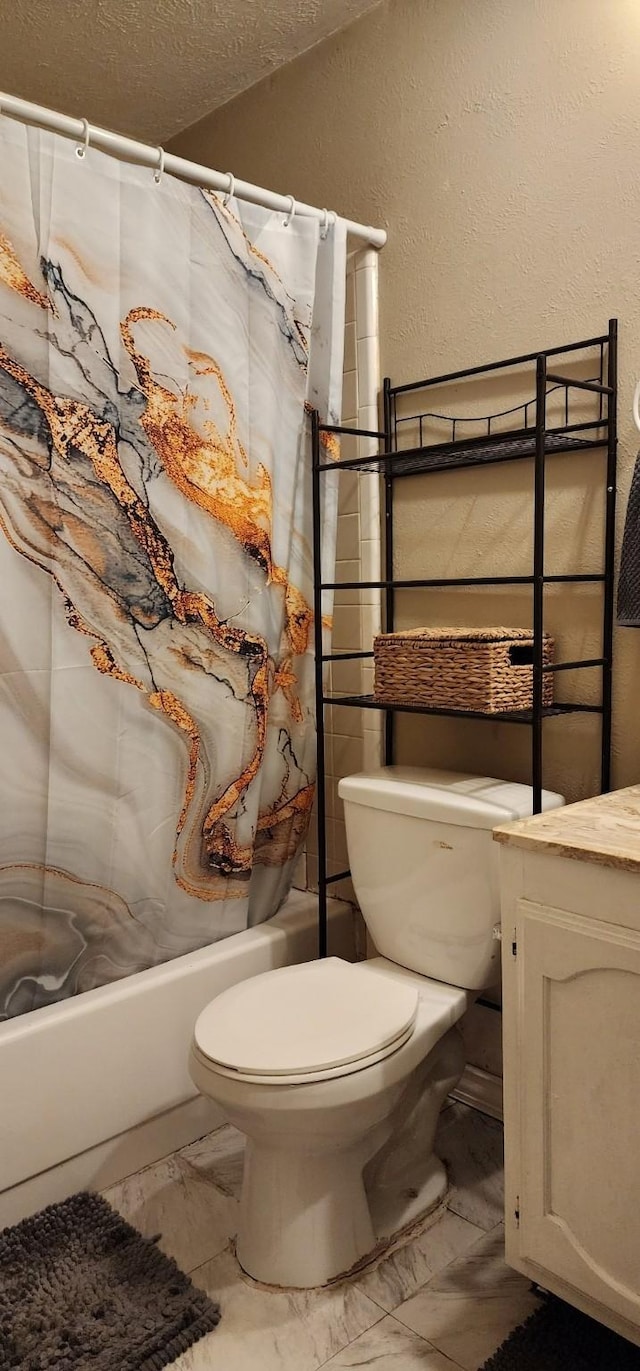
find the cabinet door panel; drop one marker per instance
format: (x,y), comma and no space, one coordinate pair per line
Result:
(579,1085)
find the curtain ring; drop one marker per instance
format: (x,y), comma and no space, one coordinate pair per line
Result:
(230,189)
(290,212)
(325,224)
(159,171)
(82,147)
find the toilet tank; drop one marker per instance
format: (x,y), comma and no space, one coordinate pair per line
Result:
(424,866)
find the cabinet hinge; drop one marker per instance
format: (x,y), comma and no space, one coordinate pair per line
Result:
(516,1211)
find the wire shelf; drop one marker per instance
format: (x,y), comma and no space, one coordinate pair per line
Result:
(463,454)
(511,716)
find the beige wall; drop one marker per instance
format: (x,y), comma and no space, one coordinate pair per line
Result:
(499,143)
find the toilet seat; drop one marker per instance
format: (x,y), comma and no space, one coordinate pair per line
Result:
(305,1023)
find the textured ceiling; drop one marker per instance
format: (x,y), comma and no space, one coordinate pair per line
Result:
(153,67)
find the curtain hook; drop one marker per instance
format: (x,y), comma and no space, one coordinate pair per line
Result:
(290,212)
(325,224)
(82,147)
(230,189)
(159,171)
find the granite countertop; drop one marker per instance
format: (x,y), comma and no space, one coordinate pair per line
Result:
(605,830)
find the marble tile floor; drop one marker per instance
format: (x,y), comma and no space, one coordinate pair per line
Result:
(441,1301)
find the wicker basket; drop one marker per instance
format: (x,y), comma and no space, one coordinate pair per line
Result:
(484,669)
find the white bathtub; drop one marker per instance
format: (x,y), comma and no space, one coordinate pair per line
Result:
(95,1087)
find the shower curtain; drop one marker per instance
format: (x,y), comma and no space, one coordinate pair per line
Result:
(159,346)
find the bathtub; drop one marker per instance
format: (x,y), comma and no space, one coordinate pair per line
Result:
(96,1087)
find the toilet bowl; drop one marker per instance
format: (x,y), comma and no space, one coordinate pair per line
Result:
(337,1072)
(305,1214)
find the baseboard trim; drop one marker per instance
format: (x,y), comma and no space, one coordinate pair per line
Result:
(480,1090)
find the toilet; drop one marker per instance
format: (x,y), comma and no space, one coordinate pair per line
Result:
(336,1072)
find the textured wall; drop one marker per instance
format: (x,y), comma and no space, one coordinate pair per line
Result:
(498,143)
(150,69)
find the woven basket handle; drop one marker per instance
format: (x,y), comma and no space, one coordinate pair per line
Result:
(521,654)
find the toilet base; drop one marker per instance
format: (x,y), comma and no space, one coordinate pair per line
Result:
(405,1180)
(394,1209)
(304,1217)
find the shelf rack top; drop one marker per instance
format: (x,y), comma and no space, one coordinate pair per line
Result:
(506,435)
(582,346)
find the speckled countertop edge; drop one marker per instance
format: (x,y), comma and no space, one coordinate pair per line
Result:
(605,829)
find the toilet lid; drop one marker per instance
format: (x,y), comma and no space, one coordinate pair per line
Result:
(302,1019)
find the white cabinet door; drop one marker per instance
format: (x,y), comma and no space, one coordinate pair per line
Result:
(573,1126)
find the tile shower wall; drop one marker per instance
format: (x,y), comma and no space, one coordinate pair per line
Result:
(353,736)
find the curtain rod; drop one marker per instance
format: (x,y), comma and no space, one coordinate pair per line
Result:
(145,155)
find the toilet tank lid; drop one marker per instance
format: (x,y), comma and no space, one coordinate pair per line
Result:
(451,797)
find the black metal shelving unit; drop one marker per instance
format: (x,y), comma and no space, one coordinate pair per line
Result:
(534,440)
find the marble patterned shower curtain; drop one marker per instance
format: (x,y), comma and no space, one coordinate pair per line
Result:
(157,350)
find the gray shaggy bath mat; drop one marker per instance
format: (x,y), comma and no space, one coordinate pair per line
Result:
(80,1289)
(559,1338)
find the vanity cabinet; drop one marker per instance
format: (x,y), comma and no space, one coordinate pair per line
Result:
(571,1024)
